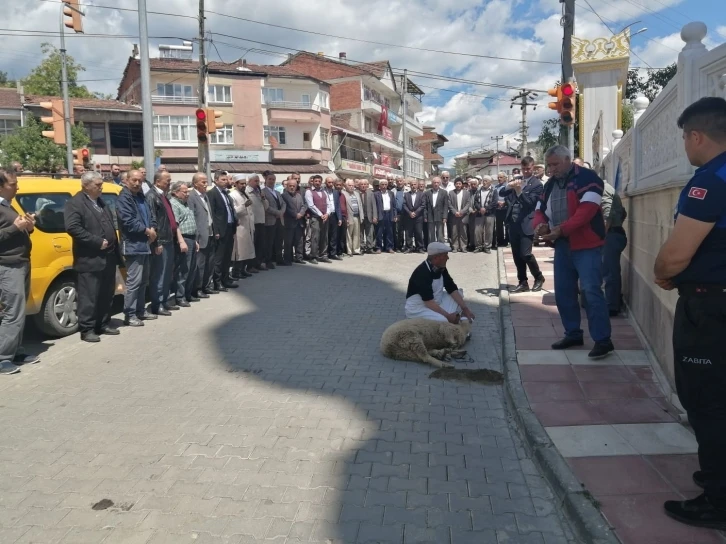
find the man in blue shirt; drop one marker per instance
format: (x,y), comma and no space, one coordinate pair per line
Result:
(693,260)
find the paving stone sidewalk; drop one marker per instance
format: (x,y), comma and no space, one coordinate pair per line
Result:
(269,415)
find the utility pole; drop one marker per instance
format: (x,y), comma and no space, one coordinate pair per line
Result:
(64,86)
(567,73)
(497,138)
(404,131)
(523,105)
(148,112)
(201,87)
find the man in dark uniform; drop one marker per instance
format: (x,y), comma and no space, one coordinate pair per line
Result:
(693,260)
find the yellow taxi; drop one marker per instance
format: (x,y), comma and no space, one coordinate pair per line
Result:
(52,300)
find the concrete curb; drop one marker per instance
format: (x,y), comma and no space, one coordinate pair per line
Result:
(579,505)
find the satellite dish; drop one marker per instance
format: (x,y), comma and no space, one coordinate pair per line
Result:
(375,155)
(331,166)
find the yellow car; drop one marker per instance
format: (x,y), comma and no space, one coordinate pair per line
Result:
(52,300)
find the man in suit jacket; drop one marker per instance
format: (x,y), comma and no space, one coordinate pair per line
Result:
(224,221)
(459,205)
(437,209)
(484,209)
(274,219)
(387,216)
(369,218)
(199,204)
(336,217)
(522,196)
(295,208)
(413,220)
(96,253)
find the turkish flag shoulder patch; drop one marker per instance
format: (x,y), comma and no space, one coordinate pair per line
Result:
(697,192)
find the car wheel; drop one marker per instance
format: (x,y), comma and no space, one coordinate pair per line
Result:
(58,316)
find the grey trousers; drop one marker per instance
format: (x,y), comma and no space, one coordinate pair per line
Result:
(436,231)
(13,292)
(458,233)
(185,267)
(137,278)
(484,231)
(318,238)
(367,235)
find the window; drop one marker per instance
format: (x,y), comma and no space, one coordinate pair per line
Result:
(223,135)
(174,91)
(219,93)
(127,139)
(48,210)
(7,126)
(97,133)
(110,200)
(324,138)
(324,100)
(272,95)
(368,124)
(305,99)
(175,128)
(307,140)
(278,133)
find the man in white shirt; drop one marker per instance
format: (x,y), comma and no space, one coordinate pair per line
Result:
(387,216)
(317,202)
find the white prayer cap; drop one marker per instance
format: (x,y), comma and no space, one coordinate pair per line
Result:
(437,248)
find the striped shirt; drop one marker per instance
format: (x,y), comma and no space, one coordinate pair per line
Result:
(186,223)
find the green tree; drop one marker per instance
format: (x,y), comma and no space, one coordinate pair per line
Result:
(5,80)
(626,118)
(36,152)
(651,85)
(550,134)
(45,79)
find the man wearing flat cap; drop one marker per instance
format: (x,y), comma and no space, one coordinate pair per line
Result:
(432,293)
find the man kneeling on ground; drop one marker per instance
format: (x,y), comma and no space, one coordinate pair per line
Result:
(432,293)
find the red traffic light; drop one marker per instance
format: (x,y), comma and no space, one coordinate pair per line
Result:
(201,125)
(201,114)
(85,154)
(568,89)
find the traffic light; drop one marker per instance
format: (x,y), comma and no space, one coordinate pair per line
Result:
(73,10)
(58,134)
(202,125)
(566,104)
(212,123)
(81,156)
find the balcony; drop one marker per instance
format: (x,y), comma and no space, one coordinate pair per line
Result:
(385,141)
(299,156)
(180,100)
(300,112)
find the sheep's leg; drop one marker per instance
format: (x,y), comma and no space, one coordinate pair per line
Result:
(458,353)
(418,352)
(440,356)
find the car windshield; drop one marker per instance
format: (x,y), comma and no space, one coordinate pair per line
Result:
(48,209)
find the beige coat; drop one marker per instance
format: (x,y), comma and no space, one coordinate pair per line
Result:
(244,245)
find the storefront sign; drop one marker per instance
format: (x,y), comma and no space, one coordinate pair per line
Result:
(239,155)
(393,118)
(353,166)
(387,133)
(383,171)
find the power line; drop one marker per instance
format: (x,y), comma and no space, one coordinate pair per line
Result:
(86,6)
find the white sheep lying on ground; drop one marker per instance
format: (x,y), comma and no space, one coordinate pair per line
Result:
(425,341)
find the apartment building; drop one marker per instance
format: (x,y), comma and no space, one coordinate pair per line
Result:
(431,142)
(366,100)
(274,118)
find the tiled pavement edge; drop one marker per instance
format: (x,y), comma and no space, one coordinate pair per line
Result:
(603,430)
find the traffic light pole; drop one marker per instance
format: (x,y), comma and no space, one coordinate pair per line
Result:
(147,111)
(404,135)
(66,99)
(202,162)
(567,72)
(497,138)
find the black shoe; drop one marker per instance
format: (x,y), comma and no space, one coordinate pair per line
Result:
(335,258)
(701,477)
(244,274)
(202,294)
(161,311)
(300,261)
(90,336)
(184,304)
(230,285)
(271,266)
(110,331)
(285,264)
(325,260)
(193,299)
(487,250)
(21,359)
(700,512)
(601,349)
(147,316)
(134,321)
(614,313)
(210,292)
(538,283)
(521,288)
(172,307)
(313,261)
(567,342)
(221,289)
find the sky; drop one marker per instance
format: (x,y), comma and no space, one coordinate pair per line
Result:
(527,31)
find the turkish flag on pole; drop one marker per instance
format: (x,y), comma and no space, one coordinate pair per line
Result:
(383,121)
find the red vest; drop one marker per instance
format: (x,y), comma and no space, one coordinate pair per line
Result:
(320,199)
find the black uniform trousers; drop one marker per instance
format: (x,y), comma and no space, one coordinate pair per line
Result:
(95,296)
(204,266)
(699,329)
(332,235)
(522,252)
(414,232)
(223,256)
(294,240)
(501,231)
(274,235)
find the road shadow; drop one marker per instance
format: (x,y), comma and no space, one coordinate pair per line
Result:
(368,449)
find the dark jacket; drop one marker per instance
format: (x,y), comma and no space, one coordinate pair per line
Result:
(133,220)
(336,201)
(164,234)
(15,244)
(88,228)
(489,205)
(409,206)
(379,203)
(219,211)
(441,211)
(465,205)
(520,209)
(585,227)
(294,204)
